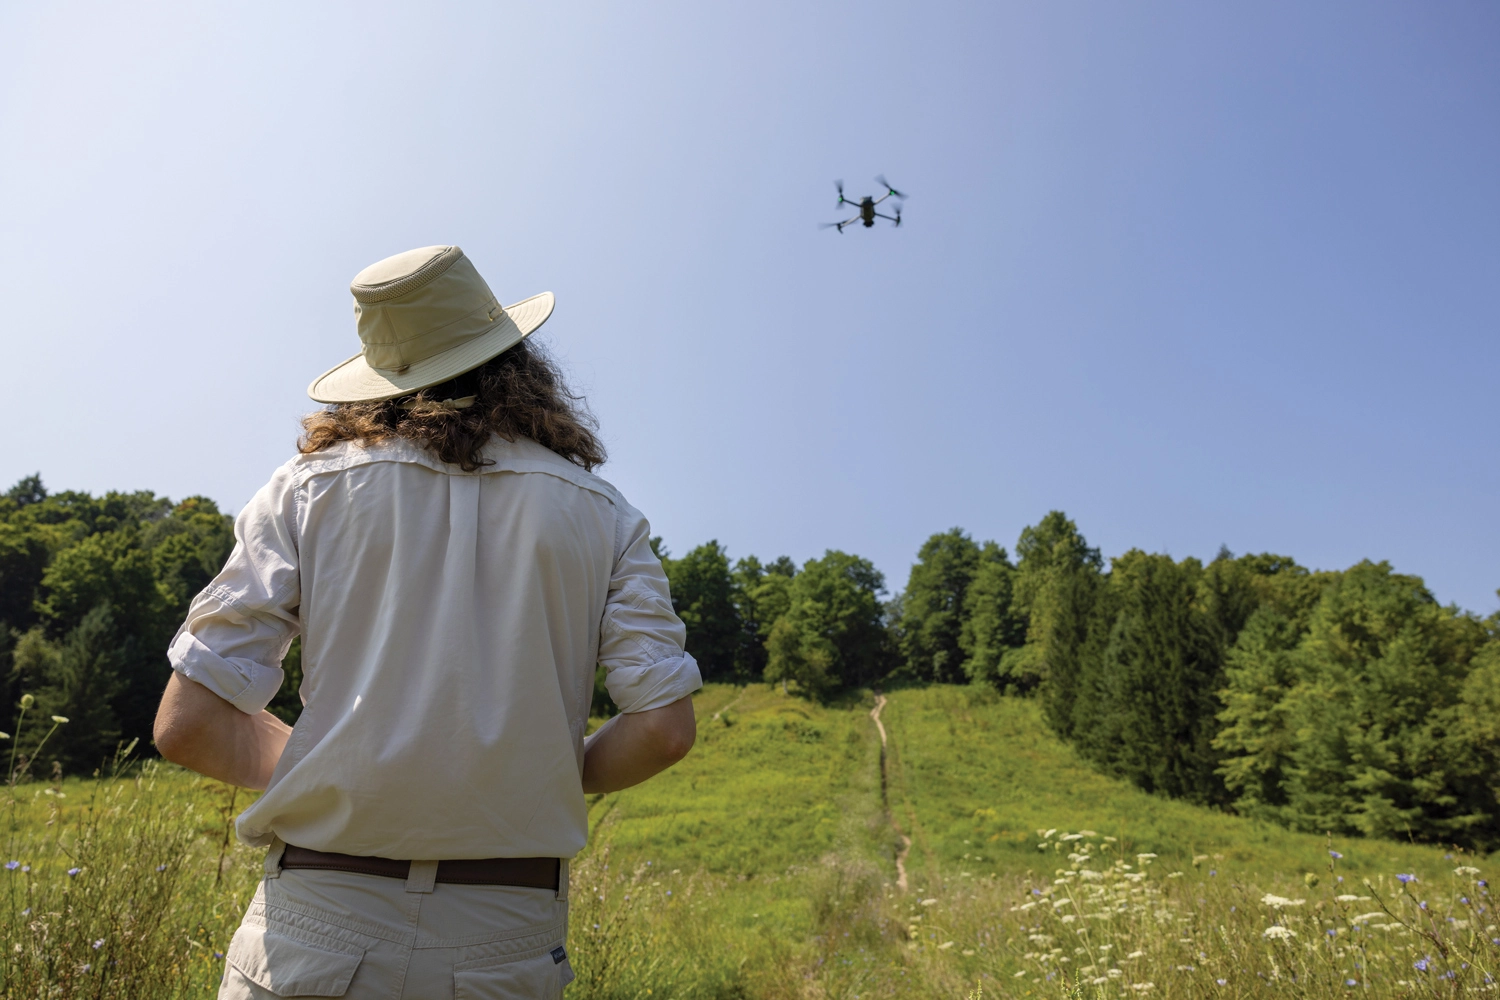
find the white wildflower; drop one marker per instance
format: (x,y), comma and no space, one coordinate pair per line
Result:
(1143,987)
(1367,917)
(1068,918)
(1466,870)
(1114,973)
(1144,857)
(1277,902)
(59,719)
(928,902)
(1278,933)
(945,946)
(1136,954)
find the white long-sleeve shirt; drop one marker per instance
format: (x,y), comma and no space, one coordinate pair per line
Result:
(451,623)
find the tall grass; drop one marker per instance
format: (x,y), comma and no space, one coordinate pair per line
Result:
(763,868)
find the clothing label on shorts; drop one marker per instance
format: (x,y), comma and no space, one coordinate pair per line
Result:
(559,955)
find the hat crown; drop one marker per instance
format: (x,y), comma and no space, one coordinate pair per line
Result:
(418,304)
(404,272)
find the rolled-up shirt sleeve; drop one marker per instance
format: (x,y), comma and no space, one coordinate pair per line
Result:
(239,627)
(641,638)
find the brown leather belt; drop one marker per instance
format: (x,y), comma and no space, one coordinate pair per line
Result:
(529,873)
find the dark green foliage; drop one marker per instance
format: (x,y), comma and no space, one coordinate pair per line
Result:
(1057,584)
(91,591)
(1374,714)
(761,595)
(287,705)
(703,595)
(78,679)
(833,633)
(994,635)
(1148,697)
(933,610)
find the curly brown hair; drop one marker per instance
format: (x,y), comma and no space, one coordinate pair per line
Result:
(519,393)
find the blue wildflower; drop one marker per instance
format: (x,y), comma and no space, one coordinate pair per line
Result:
(1212,873)
(1222,982)
(161,868)
(218,954)
(1422,905)
(1335,855)
(1421,964)
(1351,982)
(98,944)
(1331,932)
(1403,879)
(73,872)
(11,866)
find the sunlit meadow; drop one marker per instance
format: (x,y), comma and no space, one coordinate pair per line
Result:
(765,865)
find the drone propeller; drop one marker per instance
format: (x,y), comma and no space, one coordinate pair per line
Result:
(880,179)
(897,223)
(840,186)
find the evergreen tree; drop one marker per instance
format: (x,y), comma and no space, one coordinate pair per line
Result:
(77,679)
(1368,724)
(1150,714)
(993,634)
(933,609)
(1057,584)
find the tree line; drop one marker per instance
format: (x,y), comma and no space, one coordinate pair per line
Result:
(1349,702)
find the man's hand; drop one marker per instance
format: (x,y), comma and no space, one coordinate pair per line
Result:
(630,748)
(204,733)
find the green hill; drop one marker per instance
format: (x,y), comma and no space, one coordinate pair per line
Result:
(972,777)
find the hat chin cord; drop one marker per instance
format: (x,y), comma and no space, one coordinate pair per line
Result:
(461,403)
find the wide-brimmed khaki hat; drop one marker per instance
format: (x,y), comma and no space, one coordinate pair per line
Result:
(425,316)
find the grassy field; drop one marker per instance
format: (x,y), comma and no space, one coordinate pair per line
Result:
(766,865)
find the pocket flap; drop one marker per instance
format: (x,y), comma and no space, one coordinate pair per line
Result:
(292,967)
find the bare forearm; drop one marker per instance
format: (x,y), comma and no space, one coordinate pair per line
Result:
(204,733)
(634,747)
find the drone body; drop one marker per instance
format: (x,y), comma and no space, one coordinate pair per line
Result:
(866,206)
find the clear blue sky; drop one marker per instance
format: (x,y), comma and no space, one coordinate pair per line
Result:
(1196,274)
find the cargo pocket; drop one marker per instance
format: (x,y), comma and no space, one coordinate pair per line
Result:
(522,977)
(284,966)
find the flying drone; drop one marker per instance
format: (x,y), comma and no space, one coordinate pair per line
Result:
(866,206)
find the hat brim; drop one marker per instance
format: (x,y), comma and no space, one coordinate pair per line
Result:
(356,381)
